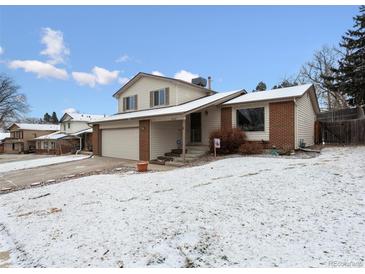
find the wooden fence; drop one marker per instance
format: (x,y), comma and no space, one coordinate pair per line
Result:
(341,132)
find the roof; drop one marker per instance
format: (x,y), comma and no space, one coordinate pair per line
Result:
(143,74)
(88,130)
(4,135)
(53,136)
(175,110)
(36,126)
(275,94)
(83,117)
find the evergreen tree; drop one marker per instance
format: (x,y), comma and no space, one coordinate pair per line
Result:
(349,77)
(285,84)
(47,118)
(54,118)
(261,86)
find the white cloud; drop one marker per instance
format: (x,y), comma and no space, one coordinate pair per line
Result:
(104,76)
(55,49)
(39,68)
(1,50)
(84,78)
(123,80)
(185,75)
(156,72)
(70,110)
(123,58)
(98,75)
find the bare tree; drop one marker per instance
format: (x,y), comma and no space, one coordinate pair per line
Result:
(12,103)
(314,72)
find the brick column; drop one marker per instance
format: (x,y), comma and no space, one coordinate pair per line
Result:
(144,140)
(282,125)
(96,139)
(226,118)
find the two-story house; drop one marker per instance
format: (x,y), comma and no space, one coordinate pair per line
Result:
(157,114)
(22,136)
(74,134)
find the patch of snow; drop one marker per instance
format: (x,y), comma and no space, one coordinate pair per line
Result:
(6,167)
(279,93)
(4,135)
(242,211)
(37,126)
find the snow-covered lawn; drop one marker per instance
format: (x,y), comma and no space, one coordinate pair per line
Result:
(39,162)
(247,211)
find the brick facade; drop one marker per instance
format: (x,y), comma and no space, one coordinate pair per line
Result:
(96,139)
(226,118)
(144,140)
(282,125)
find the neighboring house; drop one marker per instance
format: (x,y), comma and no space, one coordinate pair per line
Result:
(3,136)
(74,134)
(158,114)
(22,136)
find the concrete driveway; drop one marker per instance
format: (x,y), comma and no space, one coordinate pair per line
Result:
(7,158)
(20,179)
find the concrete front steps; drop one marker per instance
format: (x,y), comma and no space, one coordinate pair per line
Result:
(174,158)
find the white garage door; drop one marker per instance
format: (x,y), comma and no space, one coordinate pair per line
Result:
(120,143)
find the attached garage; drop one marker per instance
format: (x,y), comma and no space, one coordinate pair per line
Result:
(120,143)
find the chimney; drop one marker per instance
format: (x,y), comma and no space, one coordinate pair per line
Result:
(209,82)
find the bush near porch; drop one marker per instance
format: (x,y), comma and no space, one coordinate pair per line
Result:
(231,140)
(251,148)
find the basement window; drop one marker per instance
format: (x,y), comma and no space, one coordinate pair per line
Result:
(251,119)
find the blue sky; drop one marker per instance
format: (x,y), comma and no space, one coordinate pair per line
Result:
(77,57)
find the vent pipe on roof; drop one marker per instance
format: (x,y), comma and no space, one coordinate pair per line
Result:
(209,82)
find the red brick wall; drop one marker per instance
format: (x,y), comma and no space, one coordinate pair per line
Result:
(96,140)
(144,140)
(282,125)
(226,118)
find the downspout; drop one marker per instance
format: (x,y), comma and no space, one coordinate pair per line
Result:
(78,151)
(295,124)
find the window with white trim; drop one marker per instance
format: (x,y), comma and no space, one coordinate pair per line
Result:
(251,119)
(130,103)
(159,97)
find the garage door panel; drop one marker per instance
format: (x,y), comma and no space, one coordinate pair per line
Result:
(120,143)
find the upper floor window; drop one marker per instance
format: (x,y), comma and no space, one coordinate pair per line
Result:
(159,97)
(64,127)
(251,119)
(69,125)
(130,103)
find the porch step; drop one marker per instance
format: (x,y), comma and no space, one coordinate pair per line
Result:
(165,158)
(197,148)
(170,154)
(157,162)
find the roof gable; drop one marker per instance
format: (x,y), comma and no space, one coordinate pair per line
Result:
(167,79)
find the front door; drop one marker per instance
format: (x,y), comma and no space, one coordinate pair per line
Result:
(195,127)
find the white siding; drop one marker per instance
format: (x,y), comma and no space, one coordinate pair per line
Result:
(120,143)
(211,120)
(178,93)
(254,135)
(163,137)
(75,126)
(305,118)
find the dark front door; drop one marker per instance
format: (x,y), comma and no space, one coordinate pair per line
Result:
(195,127)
